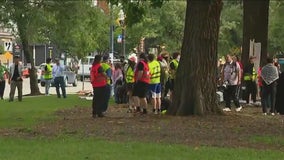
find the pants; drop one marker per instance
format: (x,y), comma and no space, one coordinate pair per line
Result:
(47,85)
(108,92)
(250,90)
(269,96)
(2,88)
(59,81)
(99,100)
(232,92)
(19,85)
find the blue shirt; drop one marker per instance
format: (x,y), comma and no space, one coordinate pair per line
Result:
(58,71)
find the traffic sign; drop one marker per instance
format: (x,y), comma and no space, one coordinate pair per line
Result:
(8,46)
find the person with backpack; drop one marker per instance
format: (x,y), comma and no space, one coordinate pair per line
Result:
(47,75)
(231,78)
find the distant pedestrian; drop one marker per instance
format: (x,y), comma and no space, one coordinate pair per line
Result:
(269,75)
(155,83)
(47,75)
(173,69)
(106,65)
(130,81)
(99,82)
(117,79)
(250,76)
(142,80)
(58,74)
(231,77)
(3,75)
(15,79)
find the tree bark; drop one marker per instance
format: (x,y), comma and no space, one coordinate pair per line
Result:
(255,27)
(22,24)
(195,84)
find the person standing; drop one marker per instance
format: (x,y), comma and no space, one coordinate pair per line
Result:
(99,82)
(163,59)
(142,80)
(130,82)
(47,76)
(108,71)
(117,79)
(250,77)
(15,79)
(269,75)
(58,74)
(173,69)
(155,83)
(231,77)
(3,74)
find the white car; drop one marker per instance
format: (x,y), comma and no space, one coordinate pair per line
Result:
(69,76)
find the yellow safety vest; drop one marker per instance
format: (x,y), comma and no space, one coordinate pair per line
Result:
(105,67)
(129,75)
(47,72)
(173,73)
(155,72)
(250,77)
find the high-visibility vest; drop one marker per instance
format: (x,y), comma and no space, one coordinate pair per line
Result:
(155,72)
(105,67)
(130,75)
(47,72)
(250,77)
(173,74)
(97,79)
(146,73)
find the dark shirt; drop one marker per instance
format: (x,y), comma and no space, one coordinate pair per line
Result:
(140,66)
(249,69)
(16,74)
(100,70)
(172,66)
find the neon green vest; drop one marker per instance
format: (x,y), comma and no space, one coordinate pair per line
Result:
(129,75)
(248,77)
(48,72)
(173,73)
(155,71)
(105,67)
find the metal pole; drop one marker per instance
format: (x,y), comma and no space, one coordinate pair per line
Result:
(111,34)
(124,36)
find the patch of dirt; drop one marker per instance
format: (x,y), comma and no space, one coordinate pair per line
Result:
(230,130)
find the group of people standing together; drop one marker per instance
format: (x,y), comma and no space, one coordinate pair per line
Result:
(235,78)
(145,76)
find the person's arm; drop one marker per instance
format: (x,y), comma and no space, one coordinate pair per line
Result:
(108,73)
(239,74)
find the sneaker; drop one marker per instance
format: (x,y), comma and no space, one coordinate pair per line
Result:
(227,109)
(273,114)
(156,112)
(264,114)
(239,109)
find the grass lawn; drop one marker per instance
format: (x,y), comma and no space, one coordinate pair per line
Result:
(77,146)
(72,148)
(35,109)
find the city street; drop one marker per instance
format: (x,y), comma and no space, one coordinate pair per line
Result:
(69,89)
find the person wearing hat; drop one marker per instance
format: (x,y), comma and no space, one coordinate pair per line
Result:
(58,74)
(15,79)
(108,71)
(47,75)
(250,77)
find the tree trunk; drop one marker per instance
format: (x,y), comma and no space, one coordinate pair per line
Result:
(195,84)
(22,24)
(255,27)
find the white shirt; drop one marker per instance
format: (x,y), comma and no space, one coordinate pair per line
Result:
(58,71)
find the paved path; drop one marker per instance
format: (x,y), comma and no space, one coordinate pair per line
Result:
(69,89)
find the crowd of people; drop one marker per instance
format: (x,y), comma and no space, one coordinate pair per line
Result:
(141,80)
(243,82)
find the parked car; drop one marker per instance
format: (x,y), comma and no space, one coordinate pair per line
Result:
(69,76)
(84,67)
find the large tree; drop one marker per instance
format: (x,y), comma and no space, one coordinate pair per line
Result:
(195,86)
(255,27)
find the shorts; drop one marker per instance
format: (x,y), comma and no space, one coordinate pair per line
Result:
(140,89)
(155,90)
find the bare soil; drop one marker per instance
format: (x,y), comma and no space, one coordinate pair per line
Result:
(234,129)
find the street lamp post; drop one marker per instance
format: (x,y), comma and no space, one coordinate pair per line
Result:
(122,24)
